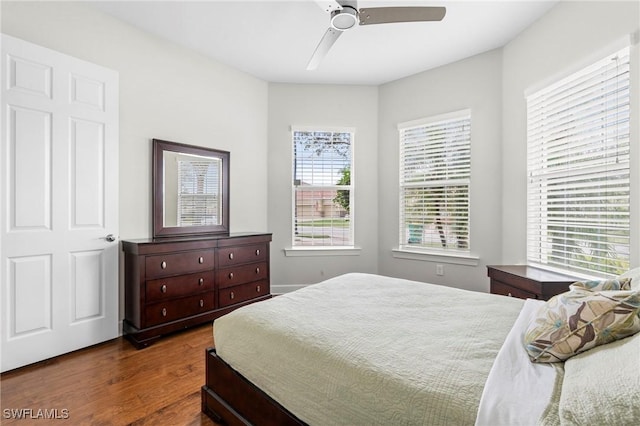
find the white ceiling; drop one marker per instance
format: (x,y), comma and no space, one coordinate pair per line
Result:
(273,40)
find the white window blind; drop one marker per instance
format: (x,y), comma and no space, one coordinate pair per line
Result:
(198,189)
(322,188)
(578,169)
(435,174)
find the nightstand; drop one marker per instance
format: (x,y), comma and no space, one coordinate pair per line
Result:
(527,282)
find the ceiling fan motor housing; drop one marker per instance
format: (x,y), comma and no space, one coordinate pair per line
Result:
(344,19)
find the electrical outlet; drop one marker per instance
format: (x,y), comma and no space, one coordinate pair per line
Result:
(439,269)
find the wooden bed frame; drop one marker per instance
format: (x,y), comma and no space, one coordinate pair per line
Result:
(229,398)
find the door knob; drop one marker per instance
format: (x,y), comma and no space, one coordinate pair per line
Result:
(110,238)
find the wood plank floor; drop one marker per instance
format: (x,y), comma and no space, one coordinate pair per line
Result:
(114,384)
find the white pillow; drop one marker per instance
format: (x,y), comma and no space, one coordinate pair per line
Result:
(602,386)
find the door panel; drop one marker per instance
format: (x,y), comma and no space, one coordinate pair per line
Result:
(87,174)
(58,202)
(87,285)
(29,77)
(30,295)
(30,169)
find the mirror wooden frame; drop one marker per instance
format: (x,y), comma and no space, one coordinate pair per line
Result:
(159,228)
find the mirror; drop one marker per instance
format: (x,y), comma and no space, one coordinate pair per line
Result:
(190,190)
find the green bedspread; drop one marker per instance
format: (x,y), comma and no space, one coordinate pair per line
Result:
(364,349)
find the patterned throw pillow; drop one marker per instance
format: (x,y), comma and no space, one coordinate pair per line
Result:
(578,320)
(603,285)
(634,275)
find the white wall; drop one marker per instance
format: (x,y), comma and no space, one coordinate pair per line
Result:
(567,36)
(333,106)
(166,92)
(473,83)
(493,86)
(171,93)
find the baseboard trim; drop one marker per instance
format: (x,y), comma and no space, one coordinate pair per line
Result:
(286,288)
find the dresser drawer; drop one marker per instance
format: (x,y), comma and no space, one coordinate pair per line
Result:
(158,313)
(232,295)
(229,277)
(506,290)
(182,285)
(179,263)
(230,256)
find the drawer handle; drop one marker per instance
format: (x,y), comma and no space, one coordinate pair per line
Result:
(232,296)
(257,270)
(201,303)
(201,259)
(258,289)
(230,275)
(230,256)
(163,265)
(201,281)
(258,252)
(163,288)
(164,312)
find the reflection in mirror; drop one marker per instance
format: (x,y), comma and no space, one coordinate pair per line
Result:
(190,190)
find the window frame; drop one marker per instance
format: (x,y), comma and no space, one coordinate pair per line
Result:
(407,250)
(321,249)
(540,242)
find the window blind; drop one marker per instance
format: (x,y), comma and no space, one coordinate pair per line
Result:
(578,170)
(435,175)
(198,184)
(322,188)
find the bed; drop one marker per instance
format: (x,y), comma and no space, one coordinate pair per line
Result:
(364,349)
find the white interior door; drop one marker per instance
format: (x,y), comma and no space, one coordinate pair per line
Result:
(58,204)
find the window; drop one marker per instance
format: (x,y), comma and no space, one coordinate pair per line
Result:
(578,170)
(198,188)
(322,188)
(435,174)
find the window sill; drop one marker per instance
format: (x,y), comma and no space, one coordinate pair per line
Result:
(455,258)
(322,251)
(581,275)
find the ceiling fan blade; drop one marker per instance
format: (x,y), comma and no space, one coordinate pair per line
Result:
(384,15)
(325,44)
(329,5)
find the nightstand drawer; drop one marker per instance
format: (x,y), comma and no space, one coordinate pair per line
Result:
(158,313)
(507,290)
(240,293)
(182,285)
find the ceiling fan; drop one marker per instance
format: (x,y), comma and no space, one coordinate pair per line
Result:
(345,15)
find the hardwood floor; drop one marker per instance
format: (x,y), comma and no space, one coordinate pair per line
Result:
(113,384)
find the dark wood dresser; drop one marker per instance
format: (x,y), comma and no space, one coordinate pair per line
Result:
(174,283)
(527,282)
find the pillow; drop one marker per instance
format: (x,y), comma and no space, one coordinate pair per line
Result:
(578,320)
(634,274)
(602,386)
(600,285)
